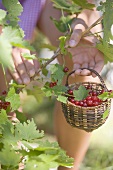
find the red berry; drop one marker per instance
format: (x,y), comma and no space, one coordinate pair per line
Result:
(51,84)
(84,104)
(66,69)
(95,98)
(81,103)
(95,103)
(89,102)
(7,103)
(89,87)
(88,98)
(77,102)
(70,92)
(94,93)
(72,100)
(4,92)
(54,83)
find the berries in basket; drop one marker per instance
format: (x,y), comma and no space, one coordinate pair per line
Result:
(88,104)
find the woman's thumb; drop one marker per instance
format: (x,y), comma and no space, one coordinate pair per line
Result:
(75,37)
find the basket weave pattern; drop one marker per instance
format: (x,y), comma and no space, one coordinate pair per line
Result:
(86,118)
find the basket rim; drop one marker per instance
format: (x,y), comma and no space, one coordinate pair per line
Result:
(69,103)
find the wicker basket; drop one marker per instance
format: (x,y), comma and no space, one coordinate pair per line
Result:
(86,118)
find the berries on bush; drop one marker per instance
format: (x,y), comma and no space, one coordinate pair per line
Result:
(52,84)
(66,69)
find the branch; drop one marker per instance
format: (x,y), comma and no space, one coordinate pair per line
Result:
(57,52)
(93,25)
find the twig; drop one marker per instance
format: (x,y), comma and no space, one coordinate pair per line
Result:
(89,28)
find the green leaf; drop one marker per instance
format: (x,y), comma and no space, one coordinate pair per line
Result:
(62,44)
(47,91)
(13,35)
(59,89)
(46,145)
(107,50)
(2,14)
(9,136)
(3,117)
(14,9)
(64,160)
(104,96)
(9,157)
(5,55)
(20,116)
(28,131)
(29,56)
(13,98)
(32,164)
(101,7)
(107,21)
(45,71)
(81,93)
(57,73)
(106,113)
(62,99)
(84,4)
(63,24)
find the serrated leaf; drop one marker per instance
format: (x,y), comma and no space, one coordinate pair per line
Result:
(2,14)
(81,93)
(13,98)
(57,73)
(106,113)
(9,136)
(29,56)
(14,9)
(9,157)
(28,131)
(84,4)
(13,35)
(62,99)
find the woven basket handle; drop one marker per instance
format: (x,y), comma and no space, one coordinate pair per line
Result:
(102,81)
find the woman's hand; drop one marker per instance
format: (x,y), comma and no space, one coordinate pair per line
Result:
(83,50)
(23,69)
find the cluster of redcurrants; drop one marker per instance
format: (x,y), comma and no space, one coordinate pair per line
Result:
(3,104)
(52,84)
(91,100)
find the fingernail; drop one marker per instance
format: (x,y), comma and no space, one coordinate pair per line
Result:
(72,43)
(19,81)
(32,72)
(26,80)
